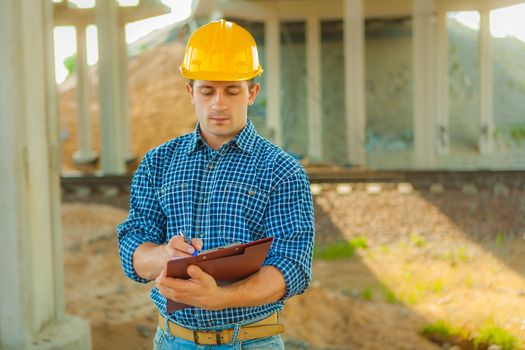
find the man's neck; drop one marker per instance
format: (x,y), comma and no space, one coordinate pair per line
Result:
(215,142)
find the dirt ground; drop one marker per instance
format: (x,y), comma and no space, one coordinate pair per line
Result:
(448,256)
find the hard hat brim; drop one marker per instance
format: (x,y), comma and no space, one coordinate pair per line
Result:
(219,76)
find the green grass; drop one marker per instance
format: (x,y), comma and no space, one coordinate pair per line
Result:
(500,239)
(415,291)
(441,328)
(468,281)
(391,297)
(437,286)
(491,334)
(413,297)
(457,255)
(341,250)
(367,294)
(359,242)
(417,240)
(461,253)
(517,134)
(70,63)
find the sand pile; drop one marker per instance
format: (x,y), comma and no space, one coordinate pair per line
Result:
(159,109)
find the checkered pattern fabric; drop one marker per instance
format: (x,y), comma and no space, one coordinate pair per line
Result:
(246,190)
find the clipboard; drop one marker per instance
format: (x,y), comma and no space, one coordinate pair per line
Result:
(226,264)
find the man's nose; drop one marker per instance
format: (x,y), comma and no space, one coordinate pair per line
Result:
(220,101)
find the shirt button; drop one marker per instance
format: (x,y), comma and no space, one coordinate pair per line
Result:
(201,235)
(162,191)
(211,166)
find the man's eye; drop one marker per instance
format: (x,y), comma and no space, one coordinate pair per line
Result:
(207,92)
(233,91)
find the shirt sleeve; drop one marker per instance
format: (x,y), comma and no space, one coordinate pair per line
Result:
(290,220)
(146,221)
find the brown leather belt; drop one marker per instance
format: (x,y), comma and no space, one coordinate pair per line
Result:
(260,329)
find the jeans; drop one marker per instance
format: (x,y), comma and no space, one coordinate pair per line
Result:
(164,341)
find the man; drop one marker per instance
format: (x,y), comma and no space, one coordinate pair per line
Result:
(220,184)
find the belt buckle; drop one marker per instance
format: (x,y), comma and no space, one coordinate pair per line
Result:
(217,338)
(196,338)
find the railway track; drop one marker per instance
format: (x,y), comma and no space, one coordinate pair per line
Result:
(114,190)
(419,179)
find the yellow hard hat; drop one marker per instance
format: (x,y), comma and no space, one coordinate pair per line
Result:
(221,51)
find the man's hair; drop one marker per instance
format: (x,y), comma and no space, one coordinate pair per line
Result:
(250,82)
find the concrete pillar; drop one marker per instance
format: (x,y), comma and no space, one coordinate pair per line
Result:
(443,142)
(272,35)
(110,91)
(424,66)
(124,91)
(486,140)
(85,154)
(314,89)
(31,293)
(354,53)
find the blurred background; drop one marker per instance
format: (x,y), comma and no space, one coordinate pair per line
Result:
(391,123)
(408,115)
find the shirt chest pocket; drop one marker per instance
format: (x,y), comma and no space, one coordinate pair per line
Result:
(240,209)
(175,203)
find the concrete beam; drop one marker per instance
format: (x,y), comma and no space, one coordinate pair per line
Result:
(387,8)
(284,10)
(474,5)
(31,301)
(289,10)
(354,54)
(65,15)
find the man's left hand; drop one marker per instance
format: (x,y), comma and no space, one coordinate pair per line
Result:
(200,290)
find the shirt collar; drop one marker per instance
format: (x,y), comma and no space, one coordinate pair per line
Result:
(245,139)
(195,139)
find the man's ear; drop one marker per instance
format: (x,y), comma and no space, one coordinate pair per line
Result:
(254,90)
(189,91)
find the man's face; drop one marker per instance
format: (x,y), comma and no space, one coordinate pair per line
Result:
(221,108)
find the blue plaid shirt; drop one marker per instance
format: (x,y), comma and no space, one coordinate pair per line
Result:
(246,190)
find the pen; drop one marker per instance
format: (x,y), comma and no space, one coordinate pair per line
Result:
(195,252)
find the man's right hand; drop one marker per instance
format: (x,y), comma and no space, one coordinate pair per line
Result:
(150,259)
(177,247)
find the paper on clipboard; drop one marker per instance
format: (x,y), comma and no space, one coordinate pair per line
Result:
(226,265)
